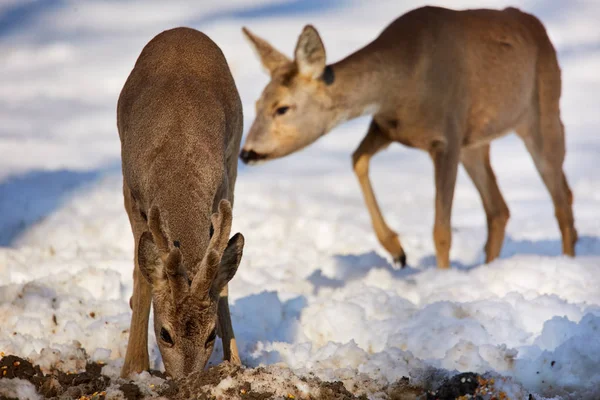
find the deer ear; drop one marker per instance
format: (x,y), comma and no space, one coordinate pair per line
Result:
(310,53)
(148,258)
(270,57)
(158,232)
(228,265)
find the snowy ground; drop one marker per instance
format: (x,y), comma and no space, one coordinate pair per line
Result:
(315,291)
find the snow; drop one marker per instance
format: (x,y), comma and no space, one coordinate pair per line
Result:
(20,388)
(315,291)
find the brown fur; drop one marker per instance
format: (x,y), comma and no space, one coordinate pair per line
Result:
(444,81)
(180,122)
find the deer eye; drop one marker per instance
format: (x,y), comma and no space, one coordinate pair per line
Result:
(166,337)
(211,337)
(281,110)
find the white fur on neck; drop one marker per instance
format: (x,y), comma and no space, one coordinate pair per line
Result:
(370,109)
(347,115)
(340,119)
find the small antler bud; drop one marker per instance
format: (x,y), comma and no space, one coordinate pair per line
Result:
(176,273)
(204,277)
(221,222)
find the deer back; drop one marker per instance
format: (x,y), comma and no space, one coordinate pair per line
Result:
(180,122)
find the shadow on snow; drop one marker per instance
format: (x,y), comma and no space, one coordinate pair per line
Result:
(352,267)
(29,198)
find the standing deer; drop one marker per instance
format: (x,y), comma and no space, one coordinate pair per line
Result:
(444,81)
(180,122)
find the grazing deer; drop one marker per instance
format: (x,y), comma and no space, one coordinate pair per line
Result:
(444,81)
(180,122)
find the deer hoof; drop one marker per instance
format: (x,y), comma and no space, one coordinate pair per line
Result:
(400,260)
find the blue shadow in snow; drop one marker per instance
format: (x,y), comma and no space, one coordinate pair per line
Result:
(430,261)
(586,246)
(262,317)
(17,16)
(352,267)
(273,10)
(274,316)
(29,198)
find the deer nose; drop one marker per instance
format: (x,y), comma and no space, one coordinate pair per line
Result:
(248,156)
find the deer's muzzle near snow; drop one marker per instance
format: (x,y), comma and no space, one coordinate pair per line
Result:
(444,81)
(180,123)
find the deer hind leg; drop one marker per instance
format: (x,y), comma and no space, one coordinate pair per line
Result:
(477,164)
(136,357)
(370,145)
(230,350)
(445,158)
(544,139)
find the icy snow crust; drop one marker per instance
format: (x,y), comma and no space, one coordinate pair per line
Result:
(315,291)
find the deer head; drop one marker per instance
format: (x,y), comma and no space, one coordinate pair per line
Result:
(185,307)
(296,107)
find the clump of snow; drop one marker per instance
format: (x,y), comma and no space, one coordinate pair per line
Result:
(67,358)
(564,358)
(281,382)
(18,389)
(273,381)
(315,293)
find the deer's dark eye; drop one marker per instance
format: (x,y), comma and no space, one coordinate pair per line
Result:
(282,110)
(165,336)
(211,337)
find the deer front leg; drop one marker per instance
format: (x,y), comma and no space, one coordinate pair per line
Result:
(136,357)
(370,145)
(445,156)
(230,350)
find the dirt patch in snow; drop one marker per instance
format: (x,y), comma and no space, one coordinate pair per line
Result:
(226,381)
(58,383)
(87,385)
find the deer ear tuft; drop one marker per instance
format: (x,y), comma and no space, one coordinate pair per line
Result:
(310,53)
(270,57)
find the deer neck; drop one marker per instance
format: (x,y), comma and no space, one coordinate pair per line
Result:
(357,88)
